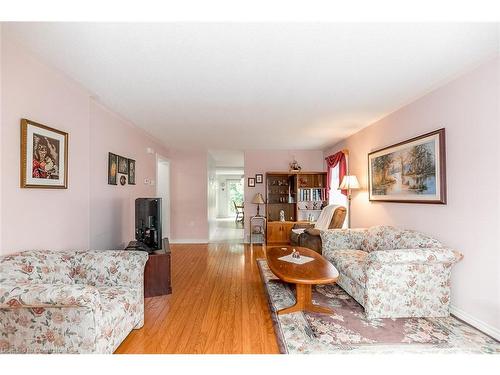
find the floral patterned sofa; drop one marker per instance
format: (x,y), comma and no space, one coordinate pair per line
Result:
(391,272)
(70,301)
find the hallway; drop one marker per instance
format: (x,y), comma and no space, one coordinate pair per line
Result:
(227,230)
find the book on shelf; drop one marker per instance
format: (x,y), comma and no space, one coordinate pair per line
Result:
(312,194)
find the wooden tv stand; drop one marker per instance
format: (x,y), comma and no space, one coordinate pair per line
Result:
(157,274)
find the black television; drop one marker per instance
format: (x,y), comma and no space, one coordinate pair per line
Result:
(148,222)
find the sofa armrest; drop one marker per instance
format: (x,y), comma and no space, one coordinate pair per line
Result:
(313,232)
(112,267)
(48,295)
(340,239)
(413,256)
(302,226)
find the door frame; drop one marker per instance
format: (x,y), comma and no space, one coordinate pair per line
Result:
(166,224)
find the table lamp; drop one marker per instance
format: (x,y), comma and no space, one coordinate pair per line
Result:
(258,199)
(349,183)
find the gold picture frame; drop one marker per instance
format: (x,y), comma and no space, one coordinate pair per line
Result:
(46,150)
(412,171)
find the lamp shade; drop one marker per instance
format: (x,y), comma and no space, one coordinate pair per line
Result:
(258,199)
(349,183)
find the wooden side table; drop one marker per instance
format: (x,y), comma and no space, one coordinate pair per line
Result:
(263,233)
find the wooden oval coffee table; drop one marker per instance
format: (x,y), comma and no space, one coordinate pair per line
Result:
(304,276)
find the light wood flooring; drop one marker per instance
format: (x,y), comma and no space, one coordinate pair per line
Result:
(227,230)
(218,305)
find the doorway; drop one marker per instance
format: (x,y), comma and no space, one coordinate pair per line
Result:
(226,196)
(229,206)
(163,192)
(234,196)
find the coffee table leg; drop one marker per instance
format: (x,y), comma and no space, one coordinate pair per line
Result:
(304,302)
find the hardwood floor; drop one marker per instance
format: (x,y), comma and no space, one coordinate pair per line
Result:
(218,305)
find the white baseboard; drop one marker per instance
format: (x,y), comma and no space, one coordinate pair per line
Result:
(188,240)
(479,324)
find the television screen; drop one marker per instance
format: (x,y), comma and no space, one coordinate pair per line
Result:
(148,222)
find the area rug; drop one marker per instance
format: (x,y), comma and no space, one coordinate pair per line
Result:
(348,331)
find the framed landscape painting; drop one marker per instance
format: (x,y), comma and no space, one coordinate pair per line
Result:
(413,171)
(44,156)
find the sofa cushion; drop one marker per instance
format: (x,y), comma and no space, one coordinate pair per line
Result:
(392,238)
(41,266)
(351,263)
(109,267)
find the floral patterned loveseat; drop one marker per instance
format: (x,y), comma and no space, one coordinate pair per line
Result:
(391,272)
(70,301)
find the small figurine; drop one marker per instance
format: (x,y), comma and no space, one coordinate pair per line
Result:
(295,254)
(294,166)
(282,215)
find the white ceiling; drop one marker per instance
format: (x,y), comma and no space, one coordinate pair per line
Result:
(228,158)
(257,86)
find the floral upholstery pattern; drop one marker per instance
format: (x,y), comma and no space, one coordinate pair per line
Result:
(338,239)
(352,264)
(349,331)
(70,301)
(390,238)
(391,272)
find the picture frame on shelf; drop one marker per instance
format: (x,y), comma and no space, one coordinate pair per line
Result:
(44,156)
(412,171)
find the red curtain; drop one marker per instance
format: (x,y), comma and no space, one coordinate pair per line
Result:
(331,162)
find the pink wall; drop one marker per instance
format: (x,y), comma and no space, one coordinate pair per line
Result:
(42,218)
(468,108)
(112,207)
(1,136)
(262,161)
(90,213)
(188,184)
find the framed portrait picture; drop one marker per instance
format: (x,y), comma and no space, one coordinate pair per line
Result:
(112,168)
(259,178)
(413,171)
(122,165)
(44,156)
(131,172)
(251,182)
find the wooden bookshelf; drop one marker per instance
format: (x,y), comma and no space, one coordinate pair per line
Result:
(297,194)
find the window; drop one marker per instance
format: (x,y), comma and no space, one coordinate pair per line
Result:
(336,196)
(235,193)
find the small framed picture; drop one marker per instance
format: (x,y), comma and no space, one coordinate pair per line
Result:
(112,168)
(251,182)
(131,172)
(259,178)
(122,165)
(44,156)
